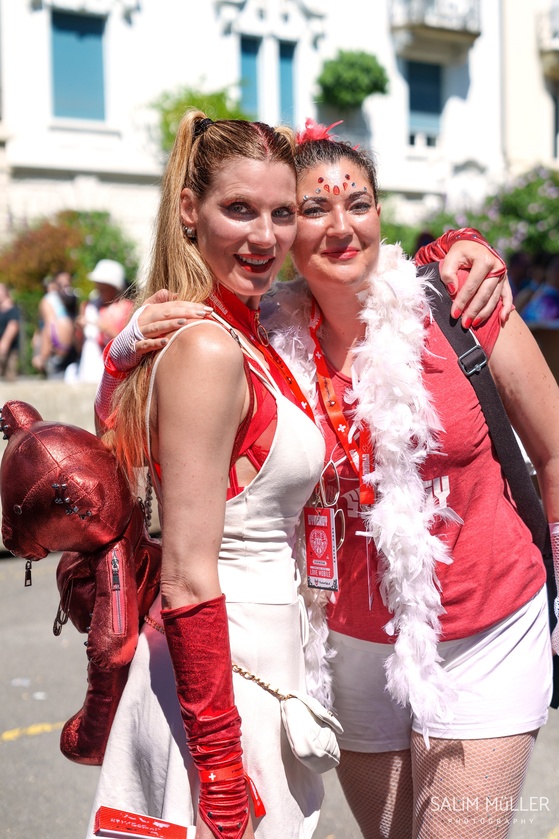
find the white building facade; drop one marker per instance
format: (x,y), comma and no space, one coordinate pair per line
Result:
(472,95)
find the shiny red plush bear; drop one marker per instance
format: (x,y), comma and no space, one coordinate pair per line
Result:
(62,490)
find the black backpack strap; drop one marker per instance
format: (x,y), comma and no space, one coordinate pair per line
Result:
(473,362)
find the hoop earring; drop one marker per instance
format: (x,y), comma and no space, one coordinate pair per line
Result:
(189,232)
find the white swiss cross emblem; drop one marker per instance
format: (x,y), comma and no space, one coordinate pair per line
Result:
(342,428)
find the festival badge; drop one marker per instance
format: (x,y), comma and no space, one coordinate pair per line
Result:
(320,540)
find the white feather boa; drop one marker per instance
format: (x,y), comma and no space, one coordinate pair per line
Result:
(388,394)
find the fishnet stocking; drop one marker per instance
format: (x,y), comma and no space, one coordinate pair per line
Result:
(468,787)
(378,789)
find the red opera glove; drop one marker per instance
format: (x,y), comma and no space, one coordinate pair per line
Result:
(198,639)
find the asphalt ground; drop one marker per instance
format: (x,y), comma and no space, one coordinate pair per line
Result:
(43,682)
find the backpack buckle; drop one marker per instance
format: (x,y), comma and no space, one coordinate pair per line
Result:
(472,361)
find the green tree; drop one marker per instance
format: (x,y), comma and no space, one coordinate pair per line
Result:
(99,238)
(347,80)
(522,215)
(170,107)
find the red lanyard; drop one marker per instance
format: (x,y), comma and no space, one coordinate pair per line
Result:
(256,333)
(360,454)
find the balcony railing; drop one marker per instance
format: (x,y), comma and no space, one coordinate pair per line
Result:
(452,15)
(436,31)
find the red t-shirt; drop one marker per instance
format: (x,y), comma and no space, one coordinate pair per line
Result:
(496,568)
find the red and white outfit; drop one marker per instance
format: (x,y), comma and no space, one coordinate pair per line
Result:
(456,558)
(148,767)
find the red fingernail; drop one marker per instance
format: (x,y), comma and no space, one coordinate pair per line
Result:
(455,312)
(451,288)
(466,323)
(476,322)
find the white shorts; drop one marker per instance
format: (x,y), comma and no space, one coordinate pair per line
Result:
(503,677)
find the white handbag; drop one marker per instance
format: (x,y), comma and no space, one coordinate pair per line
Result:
(310,727)
(311,730)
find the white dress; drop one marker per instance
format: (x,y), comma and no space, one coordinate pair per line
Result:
(147,767)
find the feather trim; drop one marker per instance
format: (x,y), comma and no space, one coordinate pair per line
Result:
(286,313)
(388,394)
(391,398)
(318,653)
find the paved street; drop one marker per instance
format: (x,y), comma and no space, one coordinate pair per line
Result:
(42,684)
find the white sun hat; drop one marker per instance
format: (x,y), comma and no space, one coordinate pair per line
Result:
(109,272)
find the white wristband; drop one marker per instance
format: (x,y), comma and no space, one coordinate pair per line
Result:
(123,349)
(133,322)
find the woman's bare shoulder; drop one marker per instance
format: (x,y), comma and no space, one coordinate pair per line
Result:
(202,346)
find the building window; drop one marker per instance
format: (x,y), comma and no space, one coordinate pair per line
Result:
(425,88)
(249,75)
(287,82)
(77,66)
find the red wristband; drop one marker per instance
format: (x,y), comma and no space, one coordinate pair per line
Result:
(227,773)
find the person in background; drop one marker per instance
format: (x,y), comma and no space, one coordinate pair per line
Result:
(54,343)
(543,305)
(519,268)
(100,319)
(10,319)
(423,238)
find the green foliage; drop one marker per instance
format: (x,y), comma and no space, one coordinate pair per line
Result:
(99,238)
(287,271)
(393,233)
(523,215)
(347,80)
(171,107)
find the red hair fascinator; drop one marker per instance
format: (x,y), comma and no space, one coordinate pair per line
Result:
(316,131)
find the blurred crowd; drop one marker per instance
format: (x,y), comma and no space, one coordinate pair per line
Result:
(535,285)
(71,335)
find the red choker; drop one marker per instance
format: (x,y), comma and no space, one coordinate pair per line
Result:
(228,305)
